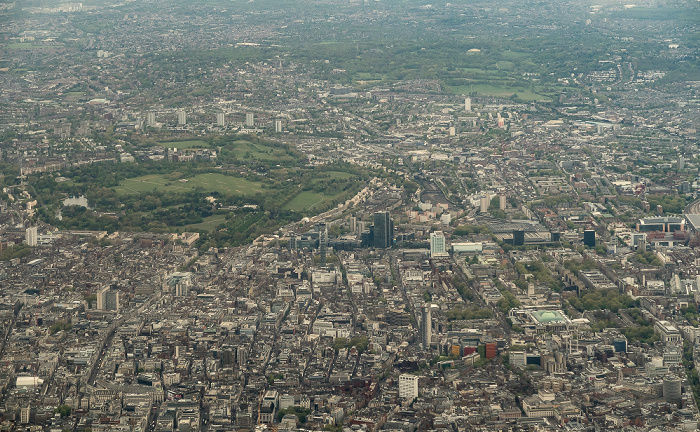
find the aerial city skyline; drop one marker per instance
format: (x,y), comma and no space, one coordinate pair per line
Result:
(349,216)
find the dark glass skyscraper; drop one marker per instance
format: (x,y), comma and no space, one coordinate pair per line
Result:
(383,230)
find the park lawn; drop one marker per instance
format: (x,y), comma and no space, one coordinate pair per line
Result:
(340,175)
(209,224)
(74,96)
(248,150)
(368,76)
(210,182)
(21,45)
(184,144)
(333,175)
(514,55)
(306,200)
(505,65)
(499,91)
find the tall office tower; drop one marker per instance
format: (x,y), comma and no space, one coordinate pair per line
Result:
(182,289)
(250,119)
(151,119)
(353,224)
(25,414)
(408,386)
(242,356)
(278,126)
(426,325)
(322,241)
(383,230)
(484,203)
(468,104)
(181,118)
(518,237)
(681,163)
(502,202)
(672,389)
(31,236)
(437,244)
(108,299)
(221,119)
(589,238)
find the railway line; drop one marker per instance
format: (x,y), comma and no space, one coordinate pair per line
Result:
(692,208)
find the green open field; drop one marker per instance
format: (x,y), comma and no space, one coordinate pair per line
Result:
(210,182)
(498,90)
(247,150)
(306,200)
(75,95)
(184,144)
(368,76)
(208,224)
(333,175)
(21,45)
(340,175)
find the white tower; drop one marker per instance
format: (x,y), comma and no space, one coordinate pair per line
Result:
(468,104)
(250,119)
(408,386)
(426,325)
(108,299)
(221,119)
(31,236)
(484,203)
(437,244)
(181,118)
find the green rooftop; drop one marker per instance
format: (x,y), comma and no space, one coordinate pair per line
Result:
(548,316)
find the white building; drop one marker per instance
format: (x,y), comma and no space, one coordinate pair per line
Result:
(286,401)
(484,203)
(25,414)
(221,119)
(438,247)
(408,386)
(31,236)
(182,290)
(181,118)
(668,333)
(426,325)
(178,283)
(467,247)
(108,299)
(250,120)
(29,382)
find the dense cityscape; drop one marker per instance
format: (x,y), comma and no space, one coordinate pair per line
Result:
(350,216)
